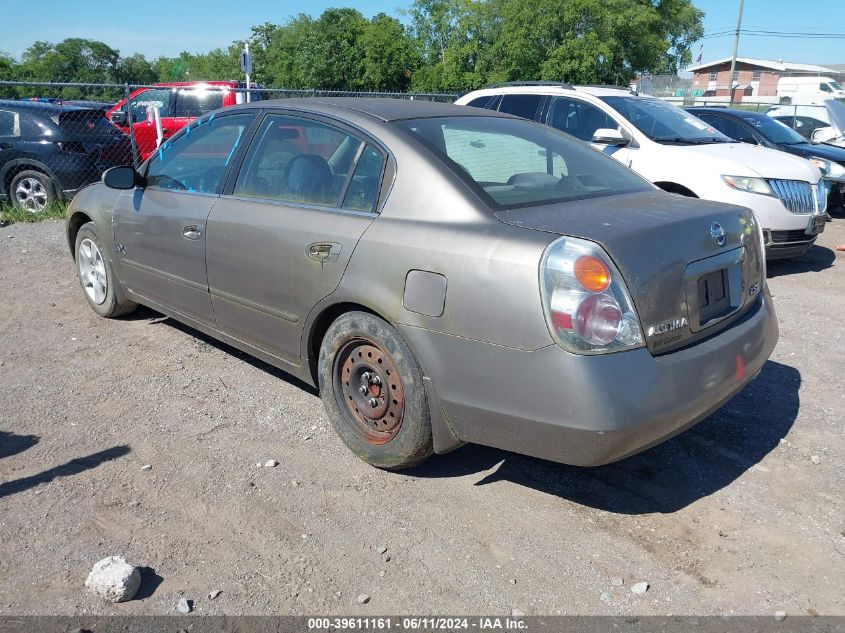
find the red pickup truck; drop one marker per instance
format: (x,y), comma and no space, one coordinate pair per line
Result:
(178,102)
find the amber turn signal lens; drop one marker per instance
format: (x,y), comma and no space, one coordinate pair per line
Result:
(592,273)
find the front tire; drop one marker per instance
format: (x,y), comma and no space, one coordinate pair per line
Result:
(373,393)
(96,275)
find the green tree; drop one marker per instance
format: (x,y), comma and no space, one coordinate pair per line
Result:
(135,69)
(389,54)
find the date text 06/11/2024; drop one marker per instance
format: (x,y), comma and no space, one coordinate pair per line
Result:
(424,623)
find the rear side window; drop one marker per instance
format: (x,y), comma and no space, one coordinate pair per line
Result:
(481,102)
(10,124)
(299,160)
(514,163)
(525,106)
(197,160)
(195,102)
(362,193)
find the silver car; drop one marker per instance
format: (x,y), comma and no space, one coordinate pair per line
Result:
(442,274)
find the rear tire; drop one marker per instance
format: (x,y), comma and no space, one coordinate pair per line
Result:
(96,275)
(32,190)
(373,392)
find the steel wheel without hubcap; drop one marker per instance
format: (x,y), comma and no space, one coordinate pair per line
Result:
(369,383)
(92,271)
(31,195)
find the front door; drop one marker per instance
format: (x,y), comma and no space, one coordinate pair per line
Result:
(581,120)
(160,229)
(280,241)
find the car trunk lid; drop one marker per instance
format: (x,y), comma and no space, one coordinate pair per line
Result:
(692,267)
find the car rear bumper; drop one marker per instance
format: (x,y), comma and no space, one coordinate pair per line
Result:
(589,410)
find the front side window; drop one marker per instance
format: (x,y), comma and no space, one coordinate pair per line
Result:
(578,118)
(298,160)
(143,103)
(524,106)
(663,122)
(195,102)
(197,160)
(513,163)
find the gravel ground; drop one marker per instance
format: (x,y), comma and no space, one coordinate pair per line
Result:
(743,514)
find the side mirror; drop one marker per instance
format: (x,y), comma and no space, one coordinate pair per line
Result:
(118,117)
(122,178)
(607,136)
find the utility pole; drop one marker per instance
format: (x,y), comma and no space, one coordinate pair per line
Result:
(736,46)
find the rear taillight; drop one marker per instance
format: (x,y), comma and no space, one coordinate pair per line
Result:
(588,309)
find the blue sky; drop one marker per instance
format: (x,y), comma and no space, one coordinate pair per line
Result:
(166,27)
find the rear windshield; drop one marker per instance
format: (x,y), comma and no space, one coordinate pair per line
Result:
(85,122)
(515,163)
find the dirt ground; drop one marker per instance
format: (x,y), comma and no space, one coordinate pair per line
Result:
(743,514)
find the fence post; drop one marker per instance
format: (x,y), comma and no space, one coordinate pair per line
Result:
(131,127)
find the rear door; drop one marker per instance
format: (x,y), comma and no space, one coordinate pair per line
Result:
(281,235)
(160,230)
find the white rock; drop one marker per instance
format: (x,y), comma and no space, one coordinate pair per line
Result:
(146,467)
(212,595)
(605,597)
(617,581)
(271,463)
(780,616)
(640,588)
(816,459)
(114,579)
(184,605)
(363,599)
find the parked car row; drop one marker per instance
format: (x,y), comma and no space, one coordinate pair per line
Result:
(448,274)
(680,153)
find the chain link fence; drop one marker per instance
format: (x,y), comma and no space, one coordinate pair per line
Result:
(55,138)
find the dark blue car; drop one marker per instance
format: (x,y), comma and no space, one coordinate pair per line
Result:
(51,150)
(760,129)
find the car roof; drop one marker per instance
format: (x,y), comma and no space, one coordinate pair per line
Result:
(552,89)
(42,107)
(383,109)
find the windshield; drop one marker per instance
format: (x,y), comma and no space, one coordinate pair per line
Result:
(515,163)
(663,122)
(775,131)
(835,85)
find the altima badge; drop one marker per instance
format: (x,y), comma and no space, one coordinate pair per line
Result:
(717,233)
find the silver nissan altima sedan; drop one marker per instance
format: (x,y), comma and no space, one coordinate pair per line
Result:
(442,274)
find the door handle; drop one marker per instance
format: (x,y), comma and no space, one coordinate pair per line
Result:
(323,251)
(192,232)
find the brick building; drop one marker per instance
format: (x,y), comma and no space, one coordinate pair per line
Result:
(753,78)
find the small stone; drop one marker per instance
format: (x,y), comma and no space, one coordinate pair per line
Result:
(294,483)
(512,581)
(387,558)
(516,613)
(780,616)
(363,599)
(306,438)
(617,581)
(271,463)
(213,594)
(640,588)
(382,549)
(147,467)
(184,605)
(816,459)
(605,597)
(114,579)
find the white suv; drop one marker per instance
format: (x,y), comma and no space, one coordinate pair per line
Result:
(679,153)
